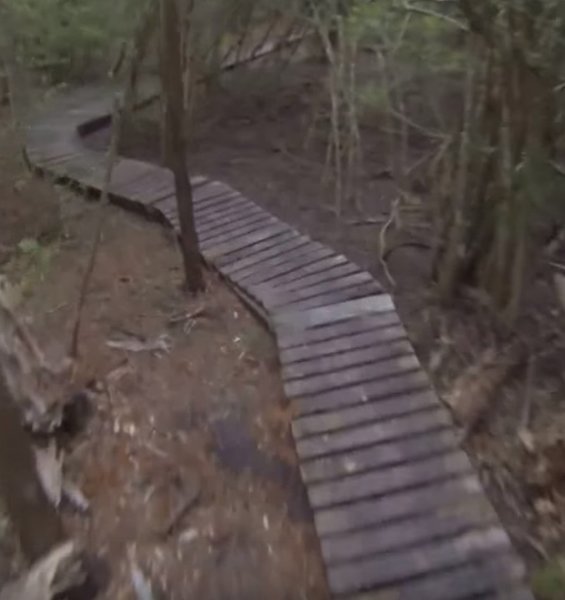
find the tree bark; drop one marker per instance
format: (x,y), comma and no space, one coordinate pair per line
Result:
(33,518)
(171,82)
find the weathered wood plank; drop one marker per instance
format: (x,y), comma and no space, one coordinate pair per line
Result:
(282,297)
(312,273)
(435,418)
(400,566)
(218,204)
(446,522)
(252,253)
(364,413)
(386,481)
(212,190)
(495,578)
(258,277)
(334,297)
(223,249)
(356,341)
(349,377)
(230,218)
(216,215)
(377,456)
(402,505)
(240,229)
(294,320)
(337,267)
(242,232)
(347,358)
(287,242)
(301,338)
(404,381)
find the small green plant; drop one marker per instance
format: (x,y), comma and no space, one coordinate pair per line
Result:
(31,263)
(548,583)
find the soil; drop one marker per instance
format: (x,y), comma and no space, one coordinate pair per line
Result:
(256,133)
(184,453)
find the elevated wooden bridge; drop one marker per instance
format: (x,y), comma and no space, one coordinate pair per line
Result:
(398,509)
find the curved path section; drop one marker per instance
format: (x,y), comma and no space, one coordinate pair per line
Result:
(399,511)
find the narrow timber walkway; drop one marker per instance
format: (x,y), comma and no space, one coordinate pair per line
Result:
(398,509)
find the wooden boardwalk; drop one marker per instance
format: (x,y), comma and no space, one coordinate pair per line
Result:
(399,512)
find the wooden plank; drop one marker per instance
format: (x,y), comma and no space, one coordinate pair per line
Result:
(396,428)
(224,249)
(364,339)
(381,482)
(252,253)
(378,456)
(243,221)
(335,297)
(280,297)
(403,565)
(231,217)
(211,190)
(446,522)
(352,376)
(233,235)
(364,413)
(402,505)
(316,274)
(347,358)
(239,205)
(287,243)
(361,393)
(257,276)
(219,204)
(294,320)
(301,338)
(290,280)
(242,228)
(496,578)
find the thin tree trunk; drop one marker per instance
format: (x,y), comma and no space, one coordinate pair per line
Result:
(171,80)
(35,521)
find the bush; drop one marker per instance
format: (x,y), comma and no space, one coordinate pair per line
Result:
(67,39)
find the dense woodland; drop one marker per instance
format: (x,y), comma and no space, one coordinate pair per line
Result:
(467,99)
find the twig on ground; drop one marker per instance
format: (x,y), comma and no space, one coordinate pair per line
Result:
(367,221)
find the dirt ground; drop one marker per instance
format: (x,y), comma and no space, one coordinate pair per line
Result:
(258,136)
(184,455)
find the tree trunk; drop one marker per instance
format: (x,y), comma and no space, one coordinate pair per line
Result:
(33,518)
(171,81)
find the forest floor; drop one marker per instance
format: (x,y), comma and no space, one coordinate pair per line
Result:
(186,458)
(258,136)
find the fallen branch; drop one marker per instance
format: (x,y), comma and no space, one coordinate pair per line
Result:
(382,240)
(59,572)
(37,385)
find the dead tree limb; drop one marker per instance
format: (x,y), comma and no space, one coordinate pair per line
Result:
(171,82)
(35,521)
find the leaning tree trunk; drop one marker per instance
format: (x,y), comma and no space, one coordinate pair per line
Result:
(35,521)
(172,84)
